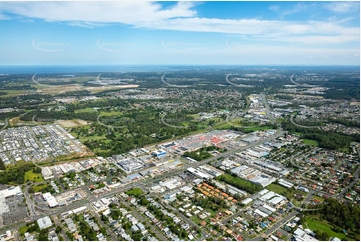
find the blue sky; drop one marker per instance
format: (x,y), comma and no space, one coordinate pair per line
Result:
(194,33)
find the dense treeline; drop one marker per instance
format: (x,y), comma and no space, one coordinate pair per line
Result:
(345,216)
(4,116)
(342,216)
(346,122)
(52,116)
(2,165)
(325,139)
(343,90)
(240,183)
(134,130)
(24,101)
(250,130)
(213,203)
(15,175)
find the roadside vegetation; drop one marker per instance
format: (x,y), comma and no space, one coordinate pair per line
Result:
(240,183)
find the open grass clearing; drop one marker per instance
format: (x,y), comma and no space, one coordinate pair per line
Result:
(34,177)
(322,226)
(310,142)
(277,188)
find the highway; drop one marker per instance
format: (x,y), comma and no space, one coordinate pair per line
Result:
(300,85)
(302,126)
(268,110)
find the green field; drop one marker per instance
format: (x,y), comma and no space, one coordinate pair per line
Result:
(289,193)
(310,142)
(196,219)
(222,125)
(136,192)
(322,226)
(23,229)
(276,188)
(85,110)
(34,177)
(94,137)
(12,93)
(111,113)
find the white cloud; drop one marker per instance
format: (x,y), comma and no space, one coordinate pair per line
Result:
(181,16)
(130,12)
(343,7)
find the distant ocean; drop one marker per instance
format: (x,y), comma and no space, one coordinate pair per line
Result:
(71,69)
(82,69)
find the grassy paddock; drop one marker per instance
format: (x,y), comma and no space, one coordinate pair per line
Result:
(322,226)
(31,176)
(276,188)
(310,142)
(22,230)
(136,192)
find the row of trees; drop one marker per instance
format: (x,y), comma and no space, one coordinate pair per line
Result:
(240,183)
(346,122)
(213,203)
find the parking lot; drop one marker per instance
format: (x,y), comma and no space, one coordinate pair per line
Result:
(18,210)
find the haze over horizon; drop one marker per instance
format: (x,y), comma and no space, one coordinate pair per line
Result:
(180,33)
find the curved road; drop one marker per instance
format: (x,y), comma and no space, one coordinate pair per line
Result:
(302,126)
(6,124)
(171,85)
(300,85)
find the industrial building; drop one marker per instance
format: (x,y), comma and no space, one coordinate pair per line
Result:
(159,153)
(130,164)
(253,175)
(50,199)
(10,192)
(198,173)
(47,173)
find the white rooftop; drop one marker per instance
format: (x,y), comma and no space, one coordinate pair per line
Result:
(44,222)
(12,191)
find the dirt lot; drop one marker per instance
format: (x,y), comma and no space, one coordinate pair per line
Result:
(67,123)
(72,123)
